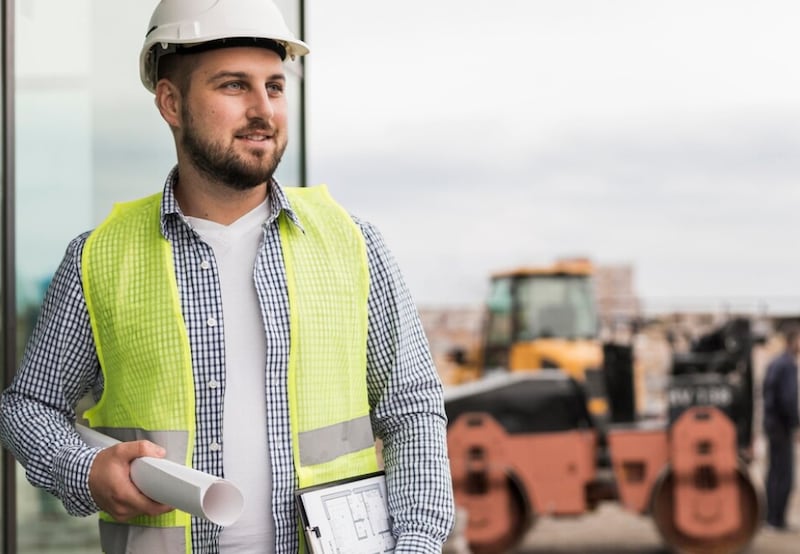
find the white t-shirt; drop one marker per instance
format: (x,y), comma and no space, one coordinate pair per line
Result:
(245,448)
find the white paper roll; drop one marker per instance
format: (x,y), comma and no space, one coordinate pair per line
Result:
(198,493)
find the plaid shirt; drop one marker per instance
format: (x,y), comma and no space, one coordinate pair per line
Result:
(60,366)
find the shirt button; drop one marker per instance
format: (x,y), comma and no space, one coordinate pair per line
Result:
(215,447)
(213,384)
(204,264)
(211,322)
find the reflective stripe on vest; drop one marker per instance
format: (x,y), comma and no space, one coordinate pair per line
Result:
(132,297)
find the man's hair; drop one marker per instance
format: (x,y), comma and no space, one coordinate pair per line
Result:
(177,69)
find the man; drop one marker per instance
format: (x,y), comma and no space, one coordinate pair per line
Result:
(781,419)
(252,332)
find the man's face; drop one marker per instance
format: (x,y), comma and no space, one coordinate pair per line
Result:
(233,117)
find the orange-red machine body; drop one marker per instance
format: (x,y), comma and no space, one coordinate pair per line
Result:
(687,476)
(543,421)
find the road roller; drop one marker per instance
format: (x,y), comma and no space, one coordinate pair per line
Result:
(524,445)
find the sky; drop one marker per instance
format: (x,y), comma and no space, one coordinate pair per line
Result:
(477,136)
(480,136)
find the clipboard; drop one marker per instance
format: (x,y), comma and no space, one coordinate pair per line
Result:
(349,515)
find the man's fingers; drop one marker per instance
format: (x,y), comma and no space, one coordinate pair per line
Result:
(140,505)
(140,449)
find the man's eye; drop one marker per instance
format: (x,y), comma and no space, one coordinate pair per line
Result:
(233,85)
(275,88)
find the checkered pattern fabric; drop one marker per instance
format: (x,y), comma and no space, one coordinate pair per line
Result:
(60,366)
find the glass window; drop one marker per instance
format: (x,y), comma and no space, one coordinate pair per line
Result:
(88,135)
(555,306)
(498,324)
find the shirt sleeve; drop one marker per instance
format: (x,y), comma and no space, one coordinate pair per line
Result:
(58,369)
(405,394)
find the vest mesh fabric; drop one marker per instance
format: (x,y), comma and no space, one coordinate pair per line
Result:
(328,280)
(132,298)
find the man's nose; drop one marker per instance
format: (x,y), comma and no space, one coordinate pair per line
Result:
(260,105)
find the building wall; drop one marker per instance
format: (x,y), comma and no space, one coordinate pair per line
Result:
(615,292)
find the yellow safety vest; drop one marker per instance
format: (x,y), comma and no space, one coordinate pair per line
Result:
(143,348)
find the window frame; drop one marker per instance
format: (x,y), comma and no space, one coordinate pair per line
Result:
(8,504)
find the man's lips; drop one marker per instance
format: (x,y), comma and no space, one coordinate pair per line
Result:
(258,137)
(256,134)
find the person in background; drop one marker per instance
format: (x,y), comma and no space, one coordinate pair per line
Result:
(251,331)
(781,420)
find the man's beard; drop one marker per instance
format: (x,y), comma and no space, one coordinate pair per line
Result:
(224,165)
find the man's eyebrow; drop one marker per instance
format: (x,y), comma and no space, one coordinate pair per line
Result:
(242,75)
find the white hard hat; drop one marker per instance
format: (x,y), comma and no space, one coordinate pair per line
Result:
(193,22)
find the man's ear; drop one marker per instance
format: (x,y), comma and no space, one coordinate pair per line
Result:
(168,101)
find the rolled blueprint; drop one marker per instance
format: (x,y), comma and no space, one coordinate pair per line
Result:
(200,494)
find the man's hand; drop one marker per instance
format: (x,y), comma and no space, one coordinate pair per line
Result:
(110,481)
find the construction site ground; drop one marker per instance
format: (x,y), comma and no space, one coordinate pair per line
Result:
(611,530)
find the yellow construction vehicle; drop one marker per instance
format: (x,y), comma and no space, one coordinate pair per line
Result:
(542,422)
(539,318)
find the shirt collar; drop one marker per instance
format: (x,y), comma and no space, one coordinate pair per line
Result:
(278,202)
